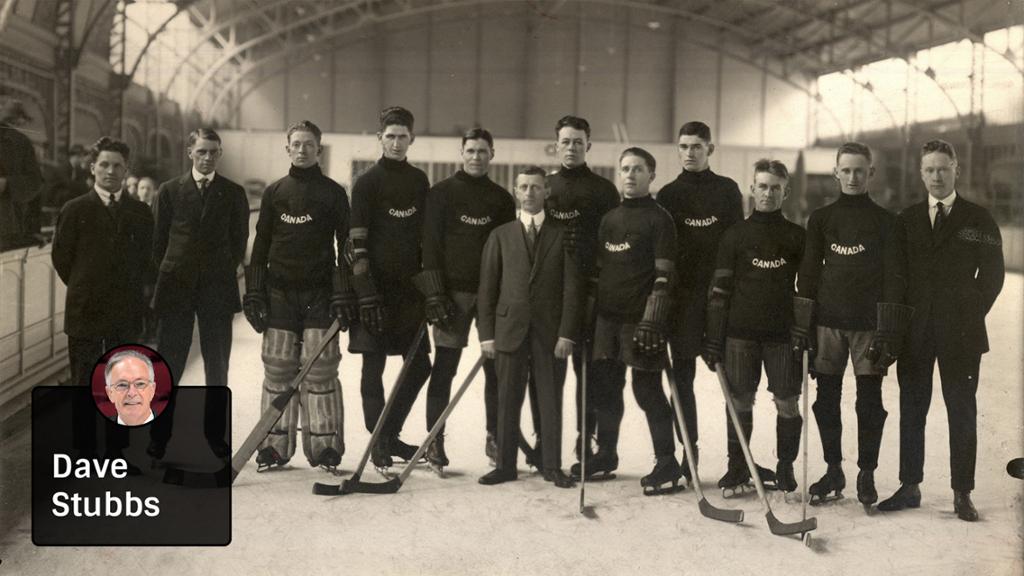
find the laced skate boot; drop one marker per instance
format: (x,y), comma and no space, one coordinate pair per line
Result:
(784,478)
(601,467)
(830,487)
(402,450)
(736,480)
(666,471)
(327,460)
(866,492)
(380,455)
(436,458)
(268,458)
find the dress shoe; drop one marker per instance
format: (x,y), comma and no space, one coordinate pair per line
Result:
(558,477)
(497,476)
(908,496)
(963,506)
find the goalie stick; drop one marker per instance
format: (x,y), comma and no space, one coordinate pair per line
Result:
(354,484)
(777,527)
(273,412)
(706,508)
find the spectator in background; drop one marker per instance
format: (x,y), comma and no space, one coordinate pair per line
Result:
(146,191)
(131,185)
(20,179)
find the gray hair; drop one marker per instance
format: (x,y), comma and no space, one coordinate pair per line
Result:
(124,355)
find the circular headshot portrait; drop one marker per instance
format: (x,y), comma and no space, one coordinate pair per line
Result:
(131,384)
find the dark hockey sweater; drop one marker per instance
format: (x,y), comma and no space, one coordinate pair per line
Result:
(703,206)
(387,203)
(631,237)
(581,198)
(300,218)
(850,243)
(461,211)
(758,260)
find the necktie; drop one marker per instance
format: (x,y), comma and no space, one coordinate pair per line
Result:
(940,217)
(531,235)
(112,205)
(204,185)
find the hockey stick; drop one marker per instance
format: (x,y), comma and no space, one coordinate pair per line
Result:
(584,435)
(319,488)
(777,527)
(277,406)
(393,484)
(706,508)
(803,492)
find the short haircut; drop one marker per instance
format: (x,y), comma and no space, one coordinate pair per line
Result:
(773,167)
(396,116)
(531,170)
(106,144)
(639,153)
(118,357)
(696,128)
(478,134)
(574,122)
(304,126)
(938,146)
(855,148)
(202,134)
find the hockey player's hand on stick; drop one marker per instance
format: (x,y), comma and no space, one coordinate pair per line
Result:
(648,338)
(254,306)
(711,354)
(487,349)
(893,322)
(563,348)
(373,315)
(881,353)
(438,309)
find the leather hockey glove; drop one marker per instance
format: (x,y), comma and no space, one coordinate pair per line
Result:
(650,334)
(372,313)
(344,303)
(712,349)
(254,303)
(437,306)
(886,343)
(802,334)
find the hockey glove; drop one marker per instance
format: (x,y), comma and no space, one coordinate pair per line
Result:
(344,303)
(716,321)
(438,307)
(802,334)
(893,322)
(254,303)
(649,336)
(372,314)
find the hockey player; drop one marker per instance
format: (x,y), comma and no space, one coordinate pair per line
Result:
(579,199)
(290,298)
(460,213)
(636,259)
(384,251)
(748,321)
(850,244)
(703,206)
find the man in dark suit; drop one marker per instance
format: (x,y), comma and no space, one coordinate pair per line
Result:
(953,266)
(202,226)
(528,320)
(101,250)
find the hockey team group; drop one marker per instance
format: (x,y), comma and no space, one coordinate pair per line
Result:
(636,277)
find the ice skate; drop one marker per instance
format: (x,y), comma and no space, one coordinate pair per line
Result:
(436,458)
(327,460)
(399,449)
(866,492)
(600,467)
(268,459)
(768,478)
(830,487)
(736,481)
(380,455)
(785,480)
(666,471)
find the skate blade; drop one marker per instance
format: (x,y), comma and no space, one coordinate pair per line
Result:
(599,477)
(332,470)
(385,472)
(663,490)
(439,470)
(820,500)
(261,468)
(738,491)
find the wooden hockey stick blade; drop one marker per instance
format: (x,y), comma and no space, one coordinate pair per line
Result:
(720,514)
(273,412)
(780,528)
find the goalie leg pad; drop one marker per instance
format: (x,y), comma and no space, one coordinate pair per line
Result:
(322,404)
(280,365)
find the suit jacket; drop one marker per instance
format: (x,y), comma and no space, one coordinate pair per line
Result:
(105,263)
(951,278)
(199,244)
(520,296)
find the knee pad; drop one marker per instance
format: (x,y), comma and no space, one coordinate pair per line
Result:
(744,401)
(787,407)
(322,403)
(280,364)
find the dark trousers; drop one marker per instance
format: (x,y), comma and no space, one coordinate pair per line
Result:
(606,380)
(513,370)
(83,353)
(684,369)
(174,339)
(649,395)
(446,364)
(959,376)
(372,389)
(871,416)
(577,368)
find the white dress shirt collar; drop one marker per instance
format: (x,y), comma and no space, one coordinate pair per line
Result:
(148,420)
(106,196)
(538,219)
(197,176)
